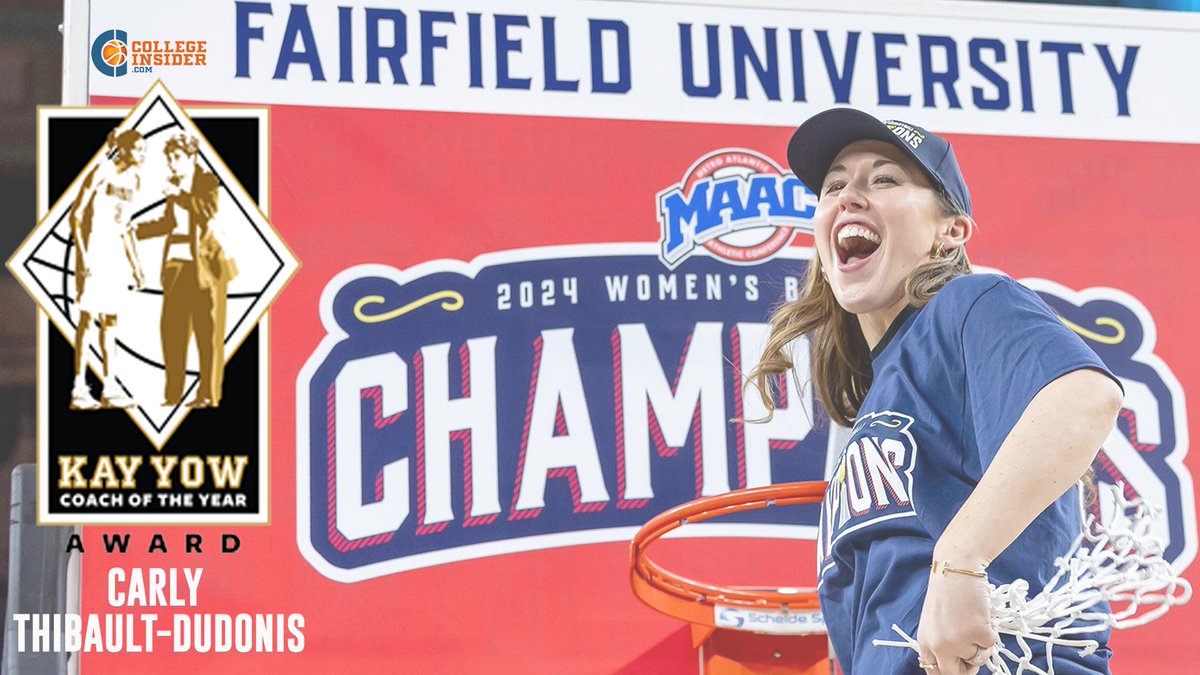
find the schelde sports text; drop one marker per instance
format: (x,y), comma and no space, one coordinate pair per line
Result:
(781,62)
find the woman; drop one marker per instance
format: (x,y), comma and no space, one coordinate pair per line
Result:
(196,271)
(106,261)
(973,409)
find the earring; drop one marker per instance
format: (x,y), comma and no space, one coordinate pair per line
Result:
(940,253)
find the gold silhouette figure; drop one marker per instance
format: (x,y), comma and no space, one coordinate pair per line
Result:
(105,256)
(195,274)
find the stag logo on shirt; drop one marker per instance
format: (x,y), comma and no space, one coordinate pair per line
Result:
(873,479)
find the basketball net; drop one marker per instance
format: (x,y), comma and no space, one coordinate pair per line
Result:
(1120,563)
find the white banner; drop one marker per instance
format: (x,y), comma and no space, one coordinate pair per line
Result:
(1005,76)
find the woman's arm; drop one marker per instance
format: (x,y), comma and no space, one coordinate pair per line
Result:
(159,227)
(131,254)
(75,218)
(1048,449)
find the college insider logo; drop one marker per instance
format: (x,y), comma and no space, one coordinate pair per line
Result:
(110,52)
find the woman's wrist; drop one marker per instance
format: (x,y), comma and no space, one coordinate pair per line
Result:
(960,556)
(944,568)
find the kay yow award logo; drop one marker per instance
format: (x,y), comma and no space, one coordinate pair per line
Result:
(153,264)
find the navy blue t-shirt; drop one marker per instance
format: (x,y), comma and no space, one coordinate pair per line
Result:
(950,382)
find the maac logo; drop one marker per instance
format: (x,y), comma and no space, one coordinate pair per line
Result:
(737,204)
(110,52)
(155,265)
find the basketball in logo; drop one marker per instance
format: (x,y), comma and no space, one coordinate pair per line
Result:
(110,52)
(113,53)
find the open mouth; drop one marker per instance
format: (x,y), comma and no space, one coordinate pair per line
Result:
(855,243)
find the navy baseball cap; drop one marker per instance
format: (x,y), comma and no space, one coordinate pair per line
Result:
(819,140)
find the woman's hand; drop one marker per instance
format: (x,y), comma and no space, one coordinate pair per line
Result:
(173,188)
(956,623)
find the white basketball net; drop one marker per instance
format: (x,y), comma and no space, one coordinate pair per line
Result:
(1120,563)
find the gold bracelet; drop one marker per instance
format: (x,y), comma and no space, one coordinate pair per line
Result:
(940,567)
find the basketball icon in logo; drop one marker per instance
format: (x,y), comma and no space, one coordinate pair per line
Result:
(110,52)
(114,53)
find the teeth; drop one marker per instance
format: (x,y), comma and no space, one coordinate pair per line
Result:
(857,231)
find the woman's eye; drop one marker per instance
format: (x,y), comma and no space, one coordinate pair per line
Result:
(834,186)
(884,178)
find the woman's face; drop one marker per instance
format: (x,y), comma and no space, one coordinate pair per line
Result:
(139,152)
(877,219)
(182,166)
(134,155)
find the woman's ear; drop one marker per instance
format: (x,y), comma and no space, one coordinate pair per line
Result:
(956,232)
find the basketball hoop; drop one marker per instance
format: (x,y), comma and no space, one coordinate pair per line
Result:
(730,624)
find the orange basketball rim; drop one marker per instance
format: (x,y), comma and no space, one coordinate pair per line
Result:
(694,601)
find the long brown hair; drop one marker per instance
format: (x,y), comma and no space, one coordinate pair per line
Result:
(841,359)
(120,144)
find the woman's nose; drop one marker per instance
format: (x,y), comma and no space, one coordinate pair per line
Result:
(851,196)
